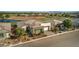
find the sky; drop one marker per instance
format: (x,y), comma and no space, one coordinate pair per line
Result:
(39,5)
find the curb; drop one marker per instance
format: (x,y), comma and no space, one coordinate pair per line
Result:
(42,38)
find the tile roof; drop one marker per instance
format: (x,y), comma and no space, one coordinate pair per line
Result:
(29,22)
(5,26)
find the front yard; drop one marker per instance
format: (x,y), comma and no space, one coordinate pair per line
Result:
(7,42)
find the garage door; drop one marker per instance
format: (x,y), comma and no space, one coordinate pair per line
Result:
(45,28)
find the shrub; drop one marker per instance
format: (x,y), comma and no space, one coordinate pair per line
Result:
(19,32)
(67,23)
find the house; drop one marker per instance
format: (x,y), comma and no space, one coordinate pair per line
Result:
(59,24)
(4,34)
(25,23)
(50,24)
(35,25)
(5,29)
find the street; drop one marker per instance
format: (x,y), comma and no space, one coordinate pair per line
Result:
(64,40)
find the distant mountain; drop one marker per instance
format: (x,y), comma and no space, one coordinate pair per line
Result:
(73,12)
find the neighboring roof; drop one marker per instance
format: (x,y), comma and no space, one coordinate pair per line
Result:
(31,22)
(28,22)
(5,26)
(57,22)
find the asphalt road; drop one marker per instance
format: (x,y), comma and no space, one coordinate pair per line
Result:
(65,40)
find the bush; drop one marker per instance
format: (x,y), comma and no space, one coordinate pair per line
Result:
(67,23)
(19,32)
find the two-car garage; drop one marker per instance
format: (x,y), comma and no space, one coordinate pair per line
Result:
(46,26)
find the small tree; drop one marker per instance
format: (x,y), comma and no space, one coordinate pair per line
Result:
(67,23)
(19,32)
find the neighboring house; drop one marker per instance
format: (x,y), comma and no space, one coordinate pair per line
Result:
(35,25)
(50,24)
(5,29)
(59,24)
(5,26)
(4,34)
(24,24)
